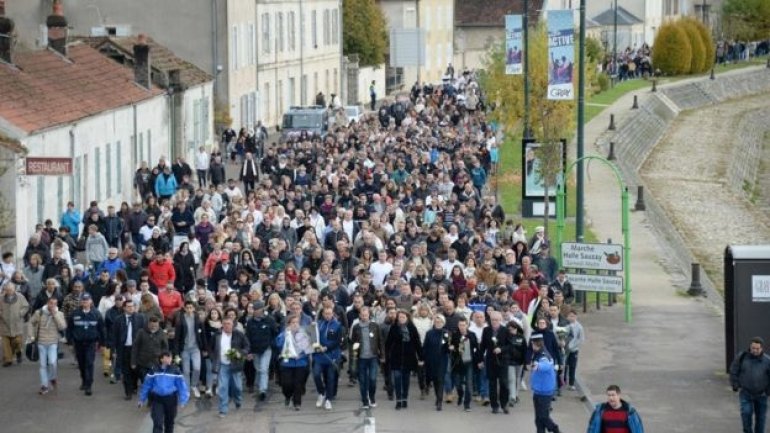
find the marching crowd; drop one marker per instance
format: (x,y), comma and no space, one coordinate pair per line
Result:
(376,251)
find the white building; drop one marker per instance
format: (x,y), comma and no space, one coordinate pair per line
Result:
(85,109)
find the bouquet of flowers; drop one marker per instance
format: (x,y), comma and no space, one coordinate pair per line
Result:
(317,347)
(177,360)
(236,359)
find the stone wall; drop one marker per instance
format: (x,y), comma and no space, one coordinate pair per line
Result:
(747,152)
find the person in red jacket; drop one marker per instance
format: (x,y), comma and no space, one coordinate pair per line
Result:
(170,301)
(162,271)
(526,292)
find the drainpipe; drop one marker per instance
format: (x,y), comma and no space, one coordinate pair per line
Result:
(257,29)
(215,46)
(302,52)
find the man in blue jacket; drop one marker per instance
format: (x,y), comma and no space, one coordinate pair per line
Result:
(165,185)
(326,358)
(165,388)
(615,415)
(543,384)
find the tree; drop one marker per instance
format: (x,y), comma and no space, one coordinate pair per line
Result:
(708,43)
(747,20)
(698,49)
(364,31)
(672,53)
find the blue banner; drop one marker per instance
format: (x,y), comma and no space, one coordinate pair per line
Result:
(514,49)
(561,54)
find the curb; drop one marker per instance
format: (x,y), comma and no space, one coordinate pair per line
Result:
(585,394)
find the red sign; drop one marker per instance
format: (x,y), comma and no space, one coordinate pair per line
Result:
(49,166)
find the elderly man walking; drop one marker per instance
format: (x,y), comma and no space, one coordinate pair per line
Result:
(13,308)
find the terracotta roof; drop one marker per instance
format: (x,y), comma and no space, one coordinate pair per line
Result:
(490,13)
(44,89)
(162,59)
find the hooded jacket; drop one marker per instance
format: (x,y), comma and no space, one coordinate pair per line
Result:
(751,373)
(634,420)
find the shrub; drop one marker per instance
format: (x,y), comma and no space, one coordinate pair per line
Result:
(698,60)
(671,52)
(604,82)
(708,44)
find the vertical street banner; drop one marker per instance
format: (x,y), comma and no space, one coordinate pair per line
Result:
(561,55)
(514,47)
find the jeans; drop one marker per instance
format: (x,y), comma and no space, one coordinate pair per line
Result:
(325,376)
(448,377)
(209,374)
(514,371)
(571,368)
(229,379)
(191,356)
(481,382)
(201,177)
(367,379)
(401,383)
(463,380)
(85,352)
(543,419)
(262,366)
(753,406)
(49,358)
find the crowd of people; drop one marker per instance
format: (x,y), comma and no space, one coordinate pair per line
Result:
(375,251)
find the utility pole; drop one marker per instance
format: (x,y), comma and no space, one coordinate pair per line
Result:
(525,23)
(580,123)
(615,41)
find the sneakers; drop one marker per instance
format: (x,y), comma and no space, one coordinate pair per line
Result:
(196,392)
(222,415)
(572,388)
(320,401)
(328,405)
(523,385)
(485,402)
(467,409)
(88,392)
(262,396)
(54,383)
(209,394)
(372,404)
(43,390)
(286,402)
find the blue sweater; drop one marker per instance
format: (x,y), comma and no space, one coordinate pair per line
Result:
(330,336)
(165,185)
(543,378)
(164,382)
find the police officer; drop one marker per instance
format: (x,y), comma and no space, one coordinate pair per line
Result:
(165,388)
(85,330)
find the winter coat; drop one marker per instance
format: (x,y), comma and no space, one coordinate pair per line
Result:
(71,220)
(162,273)
(261,332)
(751,373)
(491,340)
(375,334)
(13,309)
(46,327)
(331,336)
(34,281)
(435,349)
(165,185)
(238,342)
(184,268)
(147,347)
(403,355)
(456,362)
(634,420)
(180,334)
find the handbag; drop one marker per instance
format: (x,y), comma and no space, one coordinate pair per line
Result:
(31,350)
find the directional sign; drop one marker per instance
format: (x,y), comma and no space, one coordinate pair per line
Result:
(596,283)
(604,257)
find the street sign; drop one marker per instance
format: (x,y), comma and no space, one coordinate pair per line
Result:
(596,283)
(603,257)
(48,166)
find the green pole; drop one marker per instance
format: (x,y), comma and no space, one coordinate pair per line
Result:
(626,252)
(525,24)
(560,219)
(581,124)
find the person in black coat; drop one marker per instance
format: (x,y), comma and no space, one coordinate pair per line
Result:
(435,349)
(248,173)
(189,349)
(404,354)
(514,356)
(222,271)
(465,357)
(184,267)
(122,342)
(493,343)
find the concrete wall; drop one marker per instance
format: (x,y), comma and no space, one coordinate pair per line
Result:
(473,43)
(747,152)
(200,98)
(106,178)
(365,77)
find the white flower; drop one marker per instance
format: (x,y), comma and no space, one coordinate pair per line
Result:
(356,346)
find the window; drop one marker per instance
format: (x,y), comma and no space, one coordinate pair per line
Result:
(98,173)
(251,44)
(326,87)
(292,32)
(205,119)
(314,28)
(244,111)
(327,29)
(234,49)
(108,171)
(119,161)
(315,84)
(141,149)
(59,193)
(303,90)
(335,27)
(196,124)
(149,146)
(266,102)
(279,96)
(40,198)
(77,184)
(265,33)
(279,30)
(292,91)
(335,80)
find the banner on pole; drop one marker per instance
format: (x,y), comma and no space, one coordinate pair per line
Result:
(561,52)
(513,45)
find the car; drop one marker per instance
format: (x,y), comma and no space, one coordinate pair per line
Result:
(354,112)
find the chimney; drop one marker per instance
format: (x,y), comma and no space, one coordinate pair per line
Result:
(142,74)
(57,28)
(7,39)
(175,79)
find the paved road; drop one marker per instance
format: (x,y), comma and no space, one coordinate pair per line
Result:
(68,410)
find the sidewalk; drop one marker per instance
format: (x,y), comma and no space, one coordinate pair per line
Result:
(669,360)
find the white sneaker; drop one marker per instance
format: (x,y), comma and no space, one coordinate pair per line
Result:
(328,405)
(523,385)
(209,393)
(196,392)
(320,401)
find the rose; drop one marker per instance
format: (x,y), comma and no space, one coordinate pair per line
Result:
(356,346)
(177,360)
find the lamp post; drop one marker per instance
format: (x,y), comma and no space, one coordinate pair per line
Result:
(525,24)
(615,39)
(580,124)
